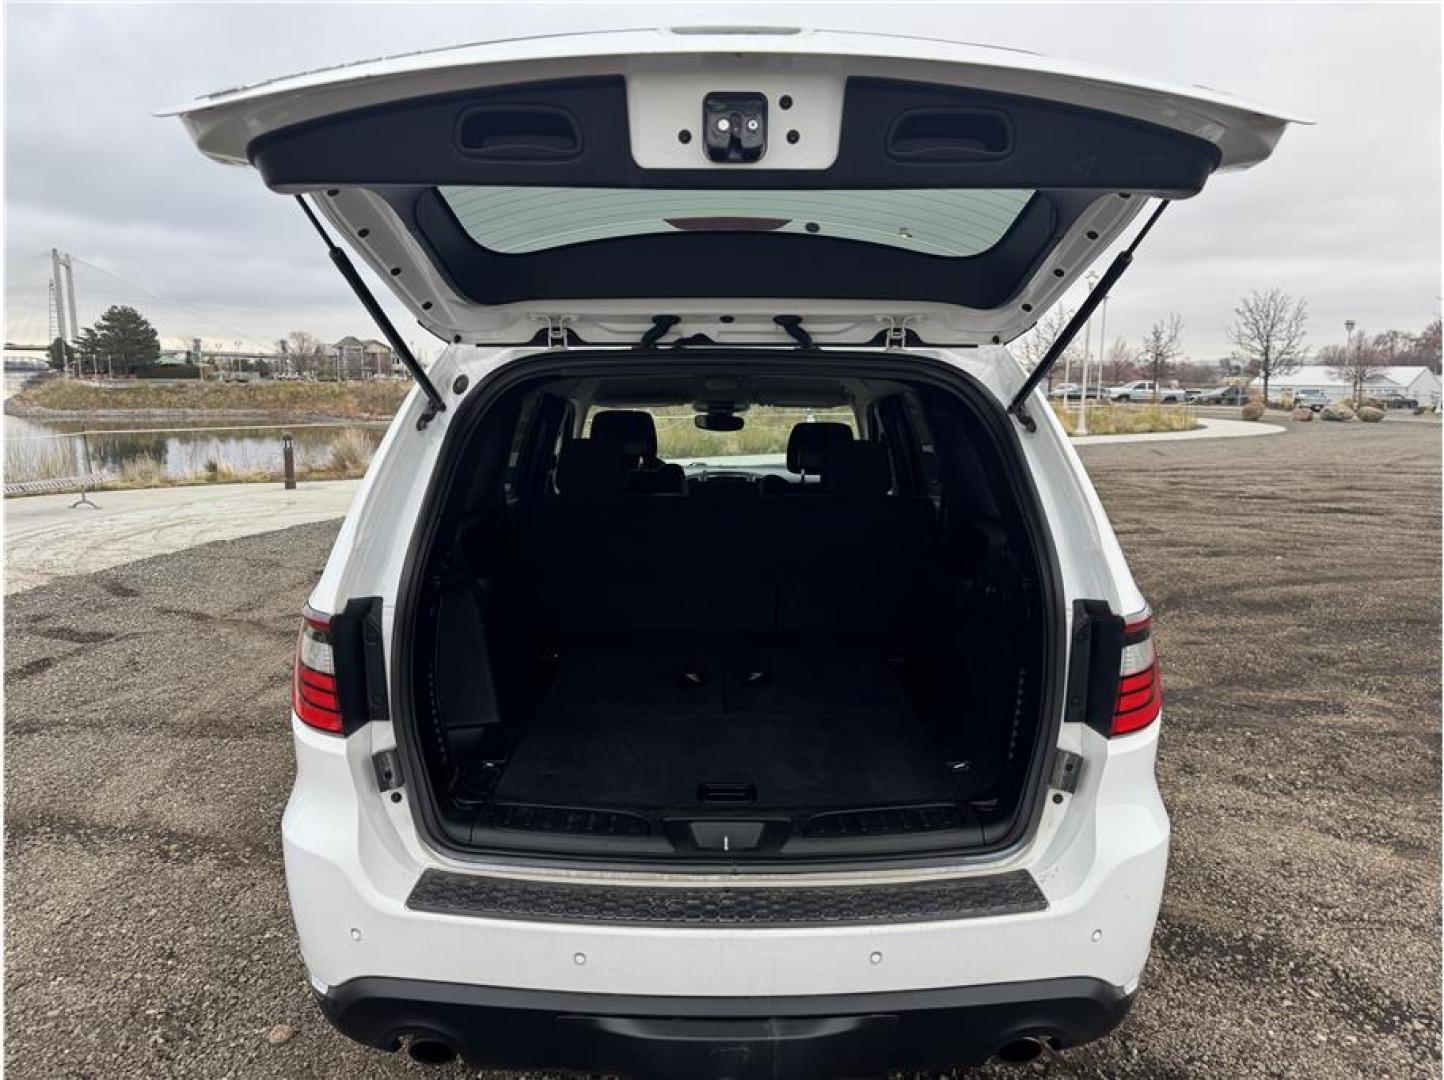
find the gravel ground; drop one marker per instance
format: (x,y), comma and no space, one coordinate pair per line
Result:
(1296,582)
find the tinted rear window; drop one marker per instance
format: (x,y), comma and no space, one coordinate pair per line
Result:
(950,223)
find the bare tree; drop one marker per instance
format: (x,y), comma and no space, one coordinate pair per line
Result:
(1120,361)
(1355,362)
(305,351)
(1034,345)
(1427,347)
(1161,348)
(1268,333)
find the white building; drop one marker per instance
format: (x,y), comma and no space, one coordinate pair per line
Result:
(1418,383)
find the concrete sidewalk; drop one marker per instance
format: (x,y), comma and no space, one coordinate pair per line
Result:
(46,539)
(1209,428)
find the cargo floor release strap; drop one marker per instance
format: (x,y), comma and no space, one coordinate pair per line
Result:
(1018,407)
(368,301)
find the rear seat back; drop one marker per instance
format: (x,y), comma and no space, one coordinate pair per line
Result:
(634,433)
(850,558)
(638,562)
(861,555)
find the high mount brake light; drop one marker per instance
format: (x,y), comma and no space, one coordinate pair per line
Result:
(313,689)
(1139,700)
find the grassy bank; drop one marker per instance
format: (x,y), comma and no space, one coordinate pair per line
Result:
(365,399)
(1105,419)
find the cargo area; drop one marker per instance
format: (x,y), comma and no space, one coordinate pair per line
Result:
(836,651)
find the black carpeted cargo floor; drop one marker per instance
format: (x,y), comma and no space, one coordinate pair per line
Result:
(643,727)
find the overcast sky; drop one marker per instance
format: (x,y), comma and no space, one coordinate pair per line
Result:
(1346,213)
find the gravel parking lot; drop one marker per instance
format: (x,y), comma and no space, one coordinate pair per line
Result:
(1296,584)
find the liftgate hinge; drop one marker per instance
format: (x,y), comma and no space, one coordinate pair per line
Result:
(556,332)
(896,334)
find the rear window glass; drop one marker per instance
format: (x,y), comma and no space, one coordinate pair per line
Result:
(952,223)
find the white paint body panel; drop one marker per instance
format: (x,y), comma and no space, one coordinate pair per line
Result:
(352,855)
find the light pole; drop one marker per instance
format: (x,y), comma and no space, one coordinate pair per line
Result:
(1349,325)
(1082,428)
(1102,343)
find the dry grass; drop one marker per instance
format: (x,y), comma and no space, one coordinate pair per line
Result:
(351,451)
(39,459)
(1106,419)
(370,398)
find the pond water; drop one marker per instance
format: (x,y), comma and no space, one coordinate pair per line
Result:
(37,448)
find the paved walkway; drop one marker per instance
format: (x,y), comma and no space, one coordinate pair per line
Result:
(1209,428)
(46,539)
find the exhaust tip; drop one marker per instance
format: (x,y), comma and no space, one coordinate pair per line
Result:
(430,1052)
(1021,1051)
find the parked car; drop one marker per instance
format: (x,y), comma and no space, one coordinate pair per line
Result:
(1142,390)
(1314,400)
(1073,391)
(835,763)
(1224,395)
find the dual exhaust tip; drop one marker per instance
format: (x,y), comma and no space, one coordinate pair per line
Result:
(1024,1050)
(425,1051)
(435,1052)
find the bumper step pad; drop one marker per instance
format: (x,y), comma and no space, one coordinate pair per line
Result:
(474,895)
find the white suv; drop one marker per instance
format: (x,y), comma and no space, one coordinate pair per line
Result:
(726,667)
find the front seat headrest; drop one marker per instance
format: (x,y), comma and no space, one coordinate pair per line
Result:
(632,431)
(588,467)
(810,442)
(857,468)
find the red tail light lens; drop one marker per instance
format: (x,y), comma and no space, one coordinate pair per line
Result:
(1139,698)
(313,690)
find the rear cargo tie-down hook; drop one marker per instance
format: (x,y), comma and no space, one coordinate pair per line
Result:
(343,263)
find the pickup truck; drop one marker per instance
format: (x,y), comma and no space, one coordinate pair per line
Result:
(1142,390)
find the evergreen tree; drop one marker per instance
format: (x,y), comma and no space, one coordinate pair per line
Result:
(126,336)
(61,354)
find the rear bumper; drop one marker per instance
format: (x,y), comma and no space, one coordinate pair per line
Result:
(640,1036)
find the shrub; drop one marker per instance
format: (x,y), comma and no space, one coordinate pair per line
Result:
(143,471)
(1253,410)
(1336,411)
(1303,414)
(351,451)
(1369,414)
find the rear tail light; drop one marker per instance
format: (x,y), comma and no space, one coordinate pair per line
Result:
(313,690)
(1139,700)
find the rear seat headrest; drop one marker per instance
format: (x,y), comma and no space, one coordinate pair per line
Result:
(588,467)
(857,468)
(631,430)
(810,443)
